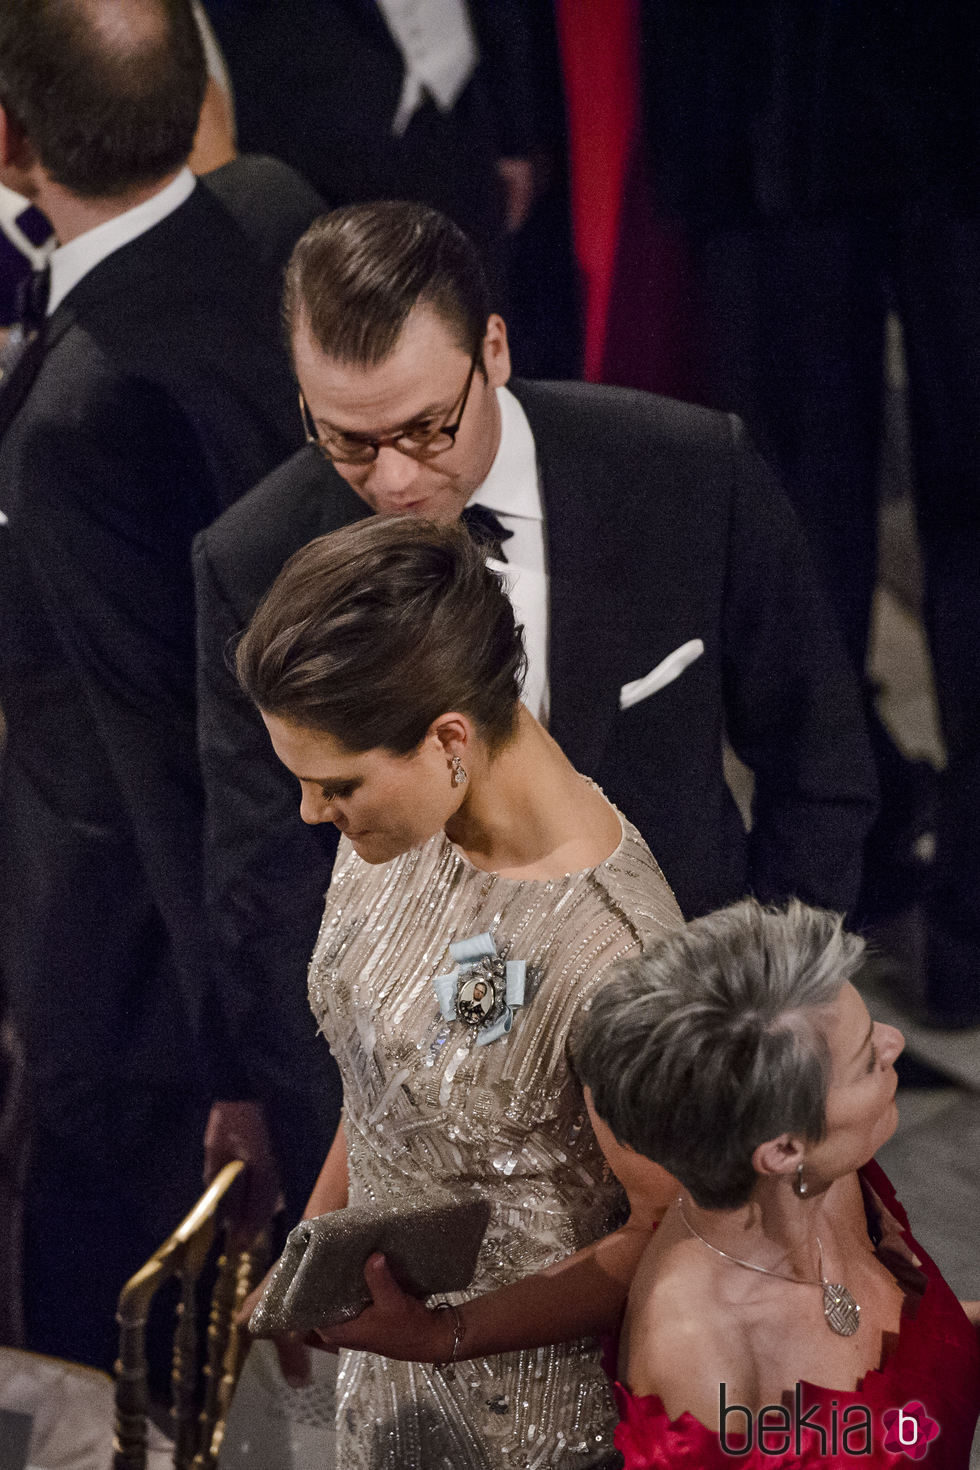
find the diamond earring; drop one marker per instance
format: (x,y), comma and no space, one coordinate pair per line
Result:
(799,1183)
(459,776)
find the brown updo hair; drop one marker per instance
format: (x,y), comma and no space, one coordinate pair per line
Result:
(370,633)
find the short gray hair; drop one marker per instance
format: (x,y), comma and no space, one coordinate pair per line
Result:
(709,1043)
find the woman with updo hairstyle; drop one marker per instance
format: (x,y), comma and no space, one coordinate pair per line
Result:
(387,667)
(782,1314)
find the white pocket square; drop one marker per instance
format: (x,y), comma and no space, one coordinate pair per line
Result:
(666,671)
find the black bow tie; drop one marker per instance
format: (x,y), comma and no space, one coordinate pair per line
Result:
(486,530)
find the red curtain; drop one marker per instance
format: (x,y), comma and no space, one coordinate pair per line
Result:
(637,308)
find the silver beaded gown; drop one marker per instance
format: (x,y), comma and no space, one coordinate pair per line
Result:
(425,1105)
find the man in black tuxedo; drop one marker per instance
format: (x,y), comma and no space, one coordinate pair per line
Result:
(660,575)
(154,392)
(825,159)
(439,106)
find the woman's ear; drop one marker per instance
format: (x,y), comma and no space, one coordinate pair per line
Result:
(782,1155)
(454,732)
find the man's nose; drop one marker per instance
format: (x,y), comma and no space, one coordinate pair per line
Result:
(392,476)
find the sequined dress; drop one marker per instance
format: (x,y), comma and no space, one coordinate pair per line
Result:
(425,1105)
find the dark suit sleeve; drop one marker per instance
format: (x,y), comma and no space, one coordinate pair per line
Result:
(792,703)
(266,873)
(507,50)
(114,493)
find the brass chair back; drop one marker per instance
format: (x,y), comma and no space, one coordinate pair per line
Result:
(198,1432)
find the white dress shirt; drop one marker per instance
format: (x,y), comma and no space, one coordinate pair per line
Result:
(439,52)
(71,262)
(512,490)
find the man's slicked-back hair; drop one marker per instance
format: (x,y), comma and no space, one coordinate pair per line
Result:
(108,91)
(711,1042)
(359,272)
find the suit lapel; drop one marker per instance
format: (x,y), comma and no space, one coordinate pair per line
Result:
(588,611)
(338,506)
(120,277)
(14,391)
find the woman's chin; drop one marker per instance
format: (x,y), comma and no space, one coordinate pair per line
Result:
(889,1122)
(377,847)
(370,847)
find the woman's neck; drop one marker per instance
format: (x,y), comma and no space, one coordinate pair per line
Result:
(528,813)
(776,1230)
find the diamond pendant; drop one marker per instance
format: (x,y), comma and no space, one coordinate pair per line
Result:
(840,1309)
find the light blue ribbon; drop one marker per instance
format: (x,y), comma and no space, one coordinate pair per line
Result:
(468,953)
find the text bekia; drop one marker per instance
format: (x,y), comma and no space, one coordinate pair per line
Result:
(779,1428)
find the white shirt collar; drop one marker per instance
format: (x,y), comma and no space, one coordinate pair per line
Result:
(511,487)
(71,262)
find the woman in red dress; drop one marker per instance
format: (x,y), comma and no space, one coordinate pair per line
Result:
(782,1313)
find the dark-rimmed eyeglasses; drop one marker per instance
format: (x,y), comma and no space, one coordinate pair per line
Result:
(419,441)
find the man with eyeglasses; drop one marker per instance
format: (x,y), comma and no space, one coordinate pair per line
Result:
(660,576)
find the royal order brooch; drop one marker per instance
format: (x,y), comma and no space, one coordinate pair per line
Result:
(483,991)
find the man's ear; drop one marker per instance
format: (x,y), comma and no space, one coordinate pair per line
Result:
(6,136)
(496,351)
(782,1155)
(16,152)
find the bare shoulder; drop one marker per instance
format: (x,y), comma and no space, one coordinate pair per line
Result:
(596,832)
(681,1338)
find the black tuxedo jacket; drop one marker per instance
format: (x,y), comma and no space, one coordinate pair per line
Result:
(810,110)
(662,525)
(317,83)
(163,393)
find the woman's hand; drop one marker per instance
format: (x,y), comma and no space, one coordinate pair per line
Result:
(395,1325)
(329,1193)
(294,1355)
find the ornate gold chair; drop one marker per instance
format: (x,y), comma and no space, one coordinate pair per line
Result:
(198,1426)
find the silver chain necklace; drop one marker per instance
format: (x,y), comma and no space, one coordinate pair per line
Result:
(841,1311)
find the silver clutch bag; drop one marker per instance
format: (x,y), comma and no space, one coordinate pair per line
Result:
(318,1280)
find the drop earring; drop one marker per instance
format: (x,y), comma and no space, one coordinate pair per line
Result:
(799,1183)
(459,776)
